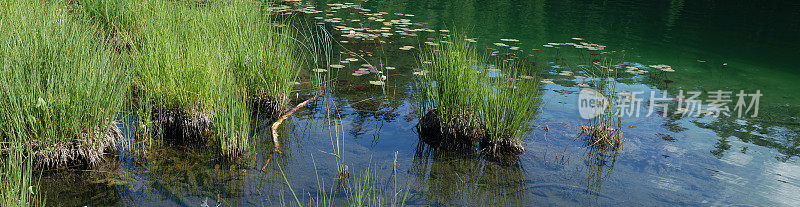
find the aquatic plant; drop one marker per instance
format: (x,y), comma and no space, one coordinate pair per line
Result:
(365,189)
(59,86)
(204,69)
(116,17)
(605,129)
(59,92)
(463,99)
(18,186)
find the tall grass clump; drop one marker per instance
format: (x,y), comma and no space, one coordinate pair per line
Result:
(204,69)
(604,131)
(117,17)
(59,85)
(17,183)
(465,99)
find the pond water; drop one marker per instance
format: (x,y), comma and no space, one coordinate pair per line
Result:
(673,160)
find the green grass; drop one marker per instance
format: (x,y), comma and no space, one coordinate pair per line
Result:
(59,86)
(476,99)
(365,189)
(604,131)
(17,183)
(59,92)
(115,16)
(209,60)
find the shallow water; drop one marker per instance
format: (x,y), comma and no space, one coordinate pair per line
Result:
(665,160)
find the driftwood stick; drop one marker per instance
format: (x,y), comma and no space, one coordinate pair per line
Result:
(263,168)
(280,120)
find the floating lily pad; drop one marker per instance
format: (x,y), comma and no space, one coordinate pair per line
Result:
(337,66)
(546,81)
(319,70)
(422,72)
(377,83)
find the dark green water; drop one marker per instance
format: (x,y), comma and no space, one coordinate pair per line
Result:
(711,45)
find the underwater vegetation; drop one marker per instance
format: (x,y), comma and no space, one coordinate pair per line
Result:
(465,100)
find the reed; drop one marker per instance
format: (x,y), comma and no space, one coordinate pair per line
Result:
(59,92)
(365,189)
(467,99)
(59,86)
(209,64)
(18,187)
(117,17)
(604,130)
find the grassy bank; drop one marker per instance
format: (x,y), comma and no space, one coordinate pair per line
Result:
(60,86)
(59,92)
(201,69)
(464,99)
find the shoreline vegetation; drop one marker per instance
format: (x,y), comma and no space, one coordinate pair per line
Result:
(187,73)
(467,100)
(199,72)
(82,79)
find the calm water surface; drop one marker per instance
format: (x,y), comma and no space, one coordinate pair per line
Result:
(712,45)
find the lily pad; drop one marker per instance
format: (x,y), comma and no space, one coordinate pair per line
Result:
(319,70)
(422,72)
(377,83)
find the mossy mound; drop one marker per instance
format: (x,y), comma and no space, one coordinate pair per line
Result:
(463,137)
